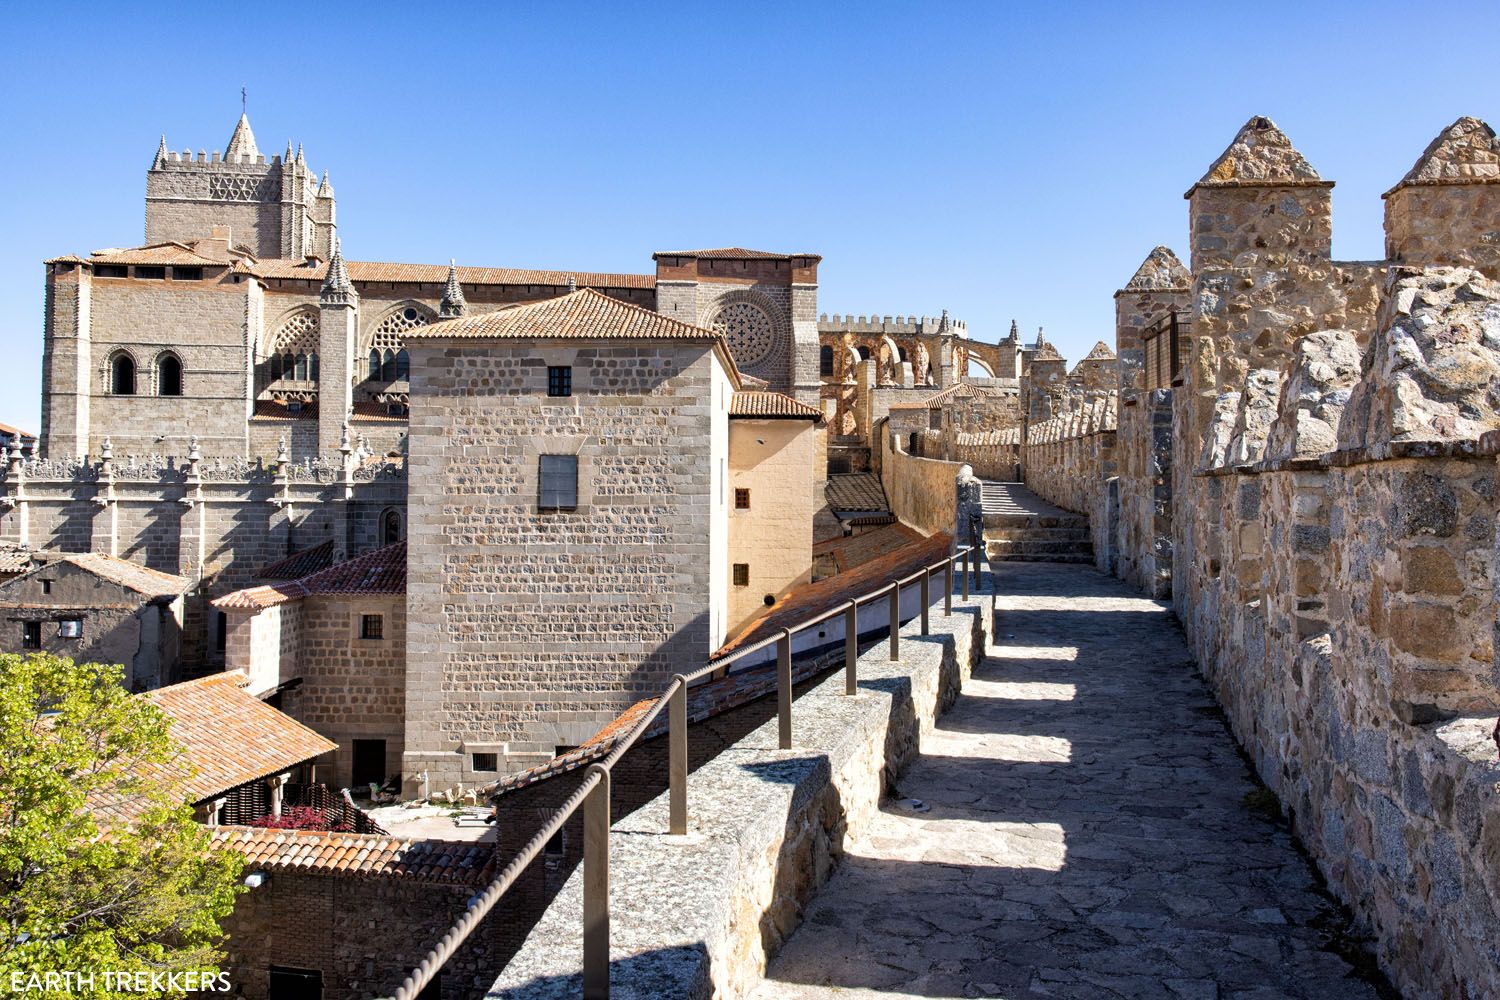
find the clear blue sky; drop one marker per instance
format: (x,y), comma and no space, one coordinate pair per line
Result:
(997,160)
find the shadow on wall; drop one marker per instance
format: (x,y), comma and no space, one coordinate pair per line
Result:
(1083,830)
(668,968)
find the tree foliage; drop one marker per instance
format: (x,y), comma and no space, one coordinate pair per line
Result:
(87,886)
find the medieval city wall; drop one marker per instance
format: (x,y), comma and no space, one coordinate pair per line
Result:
(1326,470)
(919,490)
(1069,460)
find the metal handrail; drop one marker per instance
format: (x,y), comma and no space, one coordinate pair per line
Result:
(593,793)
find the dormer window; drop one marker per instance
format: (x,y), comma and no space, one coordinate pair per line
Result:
(151,273)
(187,274)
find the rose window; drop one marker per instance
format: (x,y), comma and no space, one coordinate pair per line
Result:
(750,332)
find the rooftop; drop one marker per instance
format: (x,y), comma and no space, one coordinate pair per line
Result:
(1465,152)
(583,315)
(229,737)
(364,271)
(849,551)
(370,855)
(1261,155)
(382,572)
(147,582)
(299,564)
(858,492)
(772,406)
(732,253)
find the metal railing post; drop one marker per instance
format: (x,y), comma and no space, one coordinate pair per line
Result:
(974,564)
(596,888)
(948,587)
(678,764)
(926,599)
(965,573)
(851,648)
(896,620)
(784,688)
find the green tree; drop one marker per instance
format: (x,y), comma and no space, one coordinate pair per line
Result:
(102,867)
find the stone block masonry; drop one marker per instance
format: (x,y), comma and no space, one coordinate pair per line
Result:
(529,629)
(698,916)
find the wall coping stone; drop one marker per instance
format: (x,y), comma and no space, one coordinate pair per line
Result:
(1485,446)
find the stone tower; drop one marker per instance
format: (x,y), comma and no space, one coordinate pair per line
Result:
(273,209)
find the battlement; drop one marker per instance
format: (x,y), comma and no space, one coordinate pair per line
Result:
(186,160)
(893,325)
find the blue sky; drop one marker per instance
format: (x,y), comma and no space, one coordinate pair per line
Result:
(998,160)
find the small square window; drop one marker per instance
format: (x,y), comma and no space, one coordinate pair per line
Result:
(557,486)
(31,635)
(486,762)
(741,499)
(70,628)
(742,574)
(372,627)
(294,406)
(46,586)
(559,380)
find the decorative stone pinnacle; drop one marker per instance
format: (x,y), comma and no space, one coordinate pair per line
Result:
(107,450)
(572,283)
(1015,331)
(193,454)
(344,445)
(281,456)
(161,152)
(452,305)
(337,288)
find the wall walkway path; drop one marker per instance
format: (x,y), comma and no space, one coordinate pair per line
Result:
(1080,825)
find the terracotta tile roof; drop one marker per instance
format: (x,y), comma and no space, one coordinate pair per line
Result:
(299,564)
(7,429)
(147,582)
(856,491)
(812,599)
(14,559)
(582,315)
(774,405)
(369,855)
(437,274)
(855,550)
(732,253)
(382,572)
(155,253)
(229,737)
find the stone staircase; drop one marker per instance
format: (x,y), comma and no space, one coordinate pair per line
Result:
(1020,526)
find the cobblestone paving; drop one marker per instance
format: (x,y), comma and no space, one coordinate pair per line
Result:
(1082,832)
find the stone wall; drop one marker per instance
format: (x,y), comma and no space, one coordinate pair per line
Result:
(766,829)
(492,576)
(919,490)
(1069,460)
(1329,488)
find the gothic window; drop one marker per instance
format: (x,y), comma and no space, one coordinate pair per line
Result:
(312,366)
(301,368)
(122,375)
(276,367)
(294,349)
(390,527)
(825,360)
(168,376)
(389,361)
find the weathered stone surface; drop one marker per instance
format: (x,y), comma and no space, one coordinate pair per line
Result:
(1252,422)
(1260,154)
(1431,368)
(1325,367)
(1464,151)
(1220,431)
(1160,271)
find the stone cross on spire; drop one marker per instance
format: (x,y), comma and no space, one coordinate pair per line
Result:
(452,305)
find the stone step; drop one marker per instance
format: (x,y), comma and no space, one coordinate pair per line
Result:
(1030,547)
(1079,534)
(1021,557)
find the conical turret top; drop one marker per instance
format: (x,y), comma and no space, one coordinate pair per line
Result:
(1160,271)
(325,189)
(161,152)
(1465,152)
(1260,154)
(242,142)
(452,305)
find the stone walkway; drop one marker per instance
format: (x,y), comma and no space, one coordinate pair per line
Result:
(1080,830)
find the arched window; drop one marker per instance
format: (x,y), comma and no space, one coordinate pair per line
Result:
(302,368)
(403,364)
(901,353)
(168,376)
(122,375)
(374,363)
(864,353)
(312,366)
(388,366)
(825,360)
(390,527)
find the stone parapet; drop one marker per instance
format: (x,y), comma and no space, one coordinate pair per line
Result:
(699,916)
